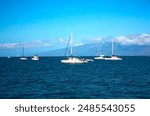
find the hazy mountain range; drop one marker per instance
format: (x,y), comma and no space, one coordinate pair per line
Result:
(92,50)
(137,44)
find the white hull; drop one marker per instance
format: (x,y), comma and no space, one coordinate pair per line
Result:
(35,58)
(89,60)
(99,58)
(113,58)
(23,58)
(74,61)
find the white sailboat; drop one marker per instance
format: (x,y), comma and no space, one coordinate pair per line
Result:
(23,58)
(71,59)
(101,56)
(36,57)
(113,57)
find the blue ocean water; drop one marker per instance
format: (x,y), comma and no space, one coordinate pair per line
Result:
(49,78)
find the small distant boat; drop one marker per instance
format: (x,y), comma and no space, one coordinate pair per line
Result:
(8,56)
(23,58)
(36,57)
(71,59)
(113,57)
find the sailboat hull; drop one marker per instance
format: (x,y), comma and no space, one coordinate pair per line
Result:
(99,58)
(74,61)
(113,58)
(71,59)
(35,58)
(23,58)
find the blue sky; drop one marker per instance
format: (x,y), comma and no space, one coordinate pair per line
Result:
(49,22)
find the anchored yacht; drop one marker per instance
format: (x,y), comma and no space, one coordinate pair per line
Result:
(71,59)
(113,57)
(23,58)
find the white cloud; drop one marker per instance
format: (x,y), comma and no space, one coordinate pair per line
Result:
(47,44)
(124,40)
(32,44)
(143,35)
(79,44)
(143,39)
(37,43)
(140,39)
(98,39)
(61,40)
(59,43)
(8,45)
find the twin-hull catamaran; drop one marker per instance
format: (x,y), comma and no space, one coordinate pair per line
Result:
(71,59)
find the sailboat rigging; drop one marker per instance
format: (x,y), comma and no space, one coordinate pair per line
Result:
(23,58)
(113,57)
(71,59)
(101,56)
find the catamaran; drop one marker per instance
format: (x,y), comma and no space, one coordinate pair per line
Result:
(71,59)
(113,57)
(23,58)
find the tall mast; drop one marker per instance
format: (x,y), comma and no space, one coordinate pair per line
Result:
(100,49)
(71,44)
(23,51)
(112,47)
